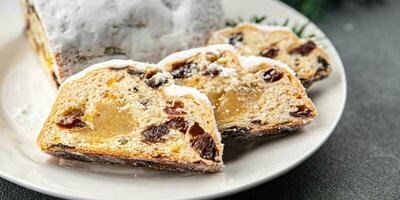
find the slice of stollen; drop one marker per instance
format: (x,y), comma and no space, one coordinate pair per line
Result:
(130,113)
(252,96)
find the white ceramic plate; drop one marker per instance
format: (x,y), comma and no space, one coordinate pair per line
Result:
(26,96)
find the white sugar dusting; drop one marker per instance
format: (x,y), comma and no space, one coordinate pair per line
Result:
(141,30)
(216,49)
(180,91)
(108,64)
(253,61)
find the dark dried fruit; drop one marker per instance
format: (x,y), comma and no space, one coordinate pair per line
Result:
(177,123)
(270,53)
(212,72)
(72,120)
(155,81)
(205,146)
(272,75)
(154,133)
(175,108)
(304,49)
(302,111)
(61,146)
(54,76)
(235,38)
(196,130)
(183,70)
(133,72)
(324,63)
(256,122)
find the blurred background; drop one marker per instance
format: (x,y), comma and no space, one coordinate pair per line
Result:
(320,9)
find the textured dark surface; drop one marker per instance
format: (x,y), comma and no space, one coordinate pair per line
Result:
(361,160)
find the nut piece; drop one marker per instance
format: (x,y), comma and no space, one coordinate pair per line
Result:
(304,49)
(302,111)
(235,38)
(177,123)
(72,120)
(272,75)
(205,146)
(175,108)
(154,133)
(270,53)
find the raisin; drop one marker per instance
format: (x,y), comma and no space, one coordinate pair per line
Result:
(154,81)
(177,123)
(55,79)
(304,49)
(205,146)
(213,72)
(154,133)
(71,120)
(61,146)
(183,70)
(174,108)
(270,53)
(135,73)
(272,75)
(323,62)
(196,130)
(235,38)
(302,111)
(256,122)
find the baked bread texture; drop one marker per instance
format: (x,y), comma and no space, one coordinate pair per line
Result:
(70,35)
(131,113)
(310,62)
(251,96)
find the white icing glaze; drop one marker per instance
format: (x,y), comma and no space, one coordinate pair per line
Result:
(83,31)
(108,64)
(191,52)
(253,61)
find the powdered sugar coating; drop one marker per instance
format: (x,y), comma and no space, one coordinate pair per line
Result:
(253,61)
(116,63)
(84,32)
(179,91)
(181,55)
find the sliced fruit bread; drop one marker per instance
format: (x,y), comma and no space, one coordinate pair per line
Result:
(251,96)
(309,61)
(130,113)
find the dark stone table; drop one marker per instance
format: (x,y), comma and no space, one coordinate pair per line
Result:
(361,160)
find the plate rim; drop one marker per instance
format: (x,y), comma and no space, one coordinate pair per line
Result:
(243,186)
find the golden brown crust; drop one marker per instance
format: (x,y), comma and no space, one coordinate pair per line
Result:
(122,159)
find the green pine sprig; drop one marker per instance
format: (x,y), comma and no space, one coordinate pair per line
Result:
(298,29)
